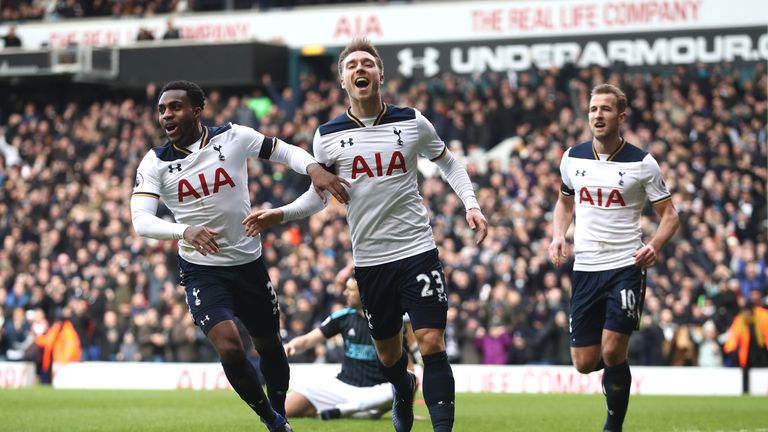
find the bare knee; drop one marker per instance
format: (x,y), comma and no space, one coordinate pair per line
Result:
(430,340)
(614,348)
(230,352)
(584,367)
(389,357)
(585,359)
(389,350)
(226,340)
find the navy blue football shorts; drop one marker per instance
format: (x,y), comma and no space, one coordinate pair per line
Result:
(415,285)
(220,293)
(610,299)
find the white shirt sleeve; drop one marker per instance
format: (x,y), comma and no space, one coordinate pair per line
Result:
(430,145)
(147,224)
(309,202)
(274,150)
(655,187)
(294,157)
(146,193)
(456,176)
(566,188)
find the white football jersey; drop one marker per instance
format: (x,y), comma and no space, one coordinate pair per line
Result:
(386,216)
(609,196)
(207,184)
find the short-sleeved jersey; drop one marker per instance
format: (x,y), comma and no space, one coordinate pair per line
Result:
(609,197)
(386,216)
(360,366)
(207,184)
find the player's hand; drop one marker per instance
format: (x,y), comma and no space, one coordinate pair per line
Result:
(290,350)
(478,223)
(557,251)
(645,256)
(324,181)
(262,219)
(344,274)
(202,239)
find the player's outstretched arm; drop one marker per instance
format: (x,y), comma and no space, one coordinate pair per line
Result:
(647,255)
(563,216)
(302,343)
(304,206)
(303,163)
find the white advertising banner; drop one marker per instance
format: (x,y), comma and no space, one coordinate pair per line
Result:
(17,374)
(469,378)
(411,23)
(758,382)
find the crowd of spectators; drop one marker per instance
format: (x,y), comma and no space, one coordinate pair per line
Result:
(69,252)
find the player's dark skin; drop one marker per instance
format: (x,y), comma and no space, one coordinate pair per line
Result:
(181,122)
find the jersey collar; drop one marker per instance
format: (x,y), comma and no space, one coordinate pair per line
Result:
(359,123)
(612,155)
(203,142)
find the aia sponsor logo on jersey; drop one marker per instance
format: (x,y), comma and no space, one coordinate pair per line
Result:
(377,169)
(600,197)
(200,187)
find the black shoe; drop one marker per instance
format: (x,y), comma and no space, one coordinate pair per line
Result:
(402,407)
(330,414)
(280,420)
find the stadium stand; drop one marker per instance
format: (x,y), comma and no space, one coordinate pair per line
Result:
(69,252)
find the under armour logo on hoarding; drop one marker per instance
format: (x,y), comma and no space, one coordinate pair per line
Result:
(428,62)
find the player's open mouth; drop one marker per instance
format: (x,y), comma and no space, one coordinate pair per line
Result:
(599,125)
(170,129)
(361,82)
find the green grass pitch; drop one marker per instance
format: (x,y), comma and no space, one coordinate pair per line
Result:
(46,409)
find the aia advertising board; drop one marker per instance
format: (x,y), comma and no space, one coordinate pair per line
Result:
(655,50)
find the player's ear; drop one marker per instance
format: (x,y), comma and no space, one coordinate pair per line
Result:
(622,117)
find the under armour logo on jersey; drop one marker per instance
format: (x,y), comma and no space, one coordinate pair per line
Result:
(218,149)
(581,173)
(346,143)
(398,132)
(621,181)
(428,62)
(171,167)
(195,292)
(368,317)
(204,320)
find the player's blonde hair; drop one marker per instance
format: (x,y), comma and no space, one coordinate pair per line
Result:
(359,43)
(621,98)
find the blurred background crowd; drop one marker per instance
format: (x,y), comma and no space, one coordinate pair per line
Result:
(71,266)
